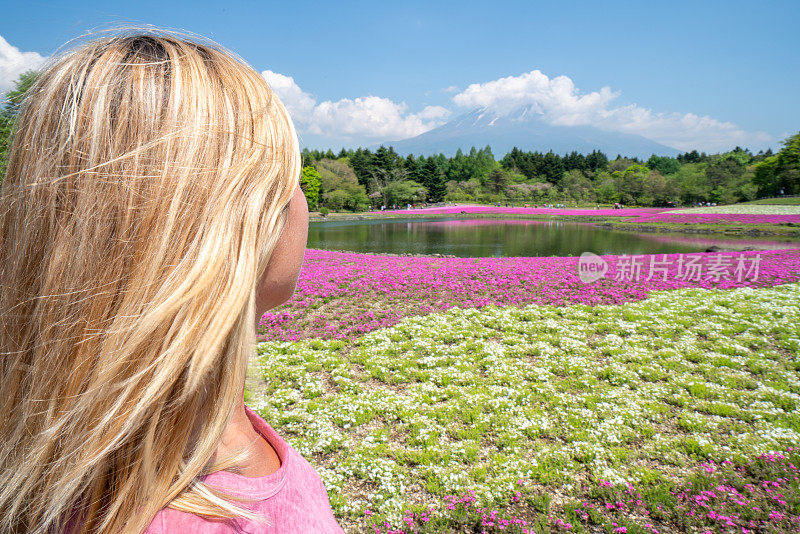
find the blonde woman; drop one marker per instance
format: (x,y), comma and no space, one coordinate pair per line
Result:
(150,214)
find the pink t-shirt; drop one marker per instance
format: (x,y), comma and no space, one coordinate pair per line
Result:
(292,498)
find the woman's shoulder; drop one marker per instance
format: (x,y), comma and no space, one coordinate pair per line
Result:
(294,469)
(292,499)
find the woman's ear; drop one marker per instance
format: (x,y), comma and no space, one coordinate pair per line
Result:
(280,276)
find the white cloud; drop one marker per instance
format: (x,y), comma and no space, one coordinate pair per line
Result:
(299,103)
(372,117)
(367,118)
(433,113)
(13,63)
(557,101)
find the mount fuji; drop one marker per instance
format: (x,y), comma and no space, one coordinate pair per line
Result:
(481,127)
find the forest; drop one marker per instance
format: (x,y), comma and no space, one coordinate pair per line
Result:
(362,179)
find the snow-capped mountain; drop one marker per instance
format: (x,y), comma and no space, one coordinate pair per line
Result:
(524,130)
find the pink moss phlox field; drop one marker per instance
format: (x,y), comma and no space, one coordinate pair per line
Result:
(715,218)
(758,496)
(635,215)
(344,295)
(503,210)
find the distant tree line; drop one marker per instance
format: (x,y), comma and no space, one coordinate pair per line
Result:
(9,107)
(361,179)
(382,177)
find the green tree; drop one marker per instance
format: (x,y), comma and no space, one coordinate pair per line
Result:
(310,182)
(631,182)
(663,164)
(340,188)
(498,179)
(575,162)
(606,190)
(724,171)
(412,167)
(12,101)
(457,169)
(14,97)
(722,175)
(363,166)
(336,200)
(690,157)
(432,179)
(404,192)
(552,168)
(385,158)
(620,164)
(577,186)
(597,161)
(659,190)
(693,186)
(780,172)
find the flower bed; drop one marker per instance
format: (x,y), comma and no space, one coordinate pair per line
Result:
(344,295)
(760,495)
(561,397)
(715,218)
(737,214)
(502,210)
(751,209)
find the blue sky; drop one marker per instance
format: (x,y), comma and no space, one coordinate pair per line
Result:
(698,74)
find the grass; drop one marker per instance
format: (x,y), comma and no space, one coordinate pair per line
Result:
(782,231)
(534,410)
(779,201)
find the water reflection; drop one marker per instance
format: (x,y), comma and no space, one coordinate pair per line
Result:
(487,237)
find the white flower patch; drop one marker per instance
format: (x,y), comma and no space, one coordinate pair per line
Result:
(745,209)
(477,399)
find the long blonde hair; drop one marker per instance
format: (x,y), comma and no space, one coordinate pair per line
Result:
(146,188)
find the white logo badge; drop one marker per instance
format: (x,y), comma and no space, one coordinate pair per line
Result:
(591,267)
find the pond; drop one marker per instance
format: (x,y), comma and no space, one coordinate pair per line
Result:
(472,238)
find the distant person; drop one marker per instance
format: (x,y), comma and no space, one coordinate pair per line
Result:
(151,213)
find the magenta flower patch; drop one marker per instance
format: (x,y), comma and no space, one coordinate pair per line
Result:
(344,295)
